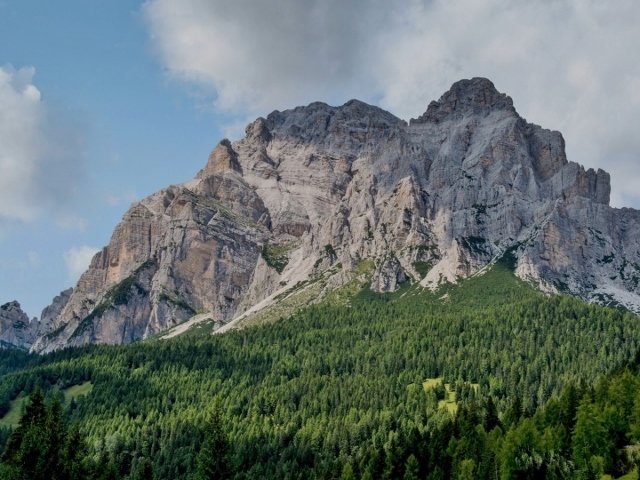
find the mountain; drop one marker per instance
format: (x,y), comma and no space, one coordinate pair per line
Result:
(315,197)
(16,330)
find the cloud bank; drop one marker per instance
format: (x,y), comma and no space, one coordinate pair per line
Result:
(569,65)
(39,156)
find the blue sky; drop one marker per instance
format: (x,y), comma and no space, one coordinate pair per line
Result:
(103,102)
(137,131)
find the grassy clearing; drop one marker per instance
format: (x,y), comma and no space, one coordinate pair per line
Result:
(342,296)
(12,417)
(292,301)
(202,328)
(430,383)
(302,295)
(75,391)
(450,402)
(16,409)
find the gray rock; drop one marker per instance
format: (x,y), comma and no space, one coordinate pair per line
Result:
(388,275)
(52,311)
(16,330)
(436,200)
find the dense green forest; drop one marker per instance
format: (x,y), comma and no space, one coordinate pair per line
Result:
(353,390)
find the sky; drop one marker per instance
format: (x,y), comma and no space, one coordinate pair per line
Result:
(103,102)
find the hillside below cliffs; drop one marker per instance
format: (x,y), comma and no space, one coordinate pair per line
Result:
(317,191)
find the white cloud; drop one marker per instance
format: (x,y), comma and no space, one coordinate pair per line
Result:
(77,260)
(569,65)
(262,55)
(21,115)
(39,156)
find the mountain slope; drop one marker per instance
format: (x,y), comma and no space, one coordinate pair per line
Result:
(311,192)
(305,395)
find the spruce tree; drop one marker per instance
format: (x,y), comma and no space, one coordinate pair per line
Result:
(213,459)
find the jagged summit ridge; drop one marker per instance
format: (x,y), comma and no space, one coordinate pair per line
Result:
(477,96)
(319,122)
(222,159)
(16,329)
(313,193)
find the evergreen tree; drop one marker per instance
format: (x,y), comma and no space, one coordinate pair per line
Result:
(513,413)
(467,469)
(590,436)
(491,419)
(75,456)
(143,470)
(34,447)
(42,447)
(347,472)
(411,468)
(213,458)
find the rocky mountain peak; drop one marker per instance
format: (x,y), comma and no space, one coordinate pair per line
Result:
(16,330)
(314,196)
(223,159)
(321,122)
(50,313)
(477,96)
(13,305)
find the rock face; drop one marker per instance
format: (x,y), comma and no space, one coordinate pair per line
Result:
(320,187)
(16,330)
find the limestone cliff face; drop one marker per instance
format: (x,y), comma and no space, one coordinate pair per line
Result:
(16,330)
(319,187)
(186,249)
(52,311)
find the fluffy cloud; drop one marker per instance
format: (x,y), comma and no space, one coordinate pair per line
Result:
(39,156)
(77,260)
(568,65)
(21,115)
(261,55)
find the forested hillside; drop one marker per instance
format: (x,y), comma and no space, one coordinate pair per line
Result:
(356,389)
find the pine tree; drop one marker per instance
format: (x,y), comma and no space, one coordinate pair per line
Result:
(42,447)
(411,468)
(213,458)
(29,450)
(513,413)
(491,419)
(467,469)
(347,472)
(143,470)
(75,456)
